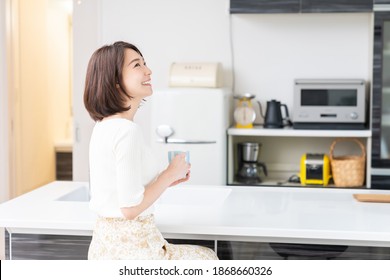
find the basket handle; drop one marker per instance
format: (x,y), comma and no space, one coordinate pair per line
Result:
(346,140)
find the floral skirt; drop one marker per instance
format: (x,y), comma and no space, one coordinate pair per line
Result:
(139,239)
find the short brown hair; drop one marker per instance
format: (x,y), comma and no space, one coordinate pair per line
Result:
(102,96)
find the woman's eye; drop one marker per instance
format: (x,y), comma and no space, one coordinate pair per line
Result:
(137,64)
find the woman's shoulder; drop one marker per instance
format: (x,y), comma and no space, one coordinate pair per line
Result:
(123,128)
(120,124)
(117,129)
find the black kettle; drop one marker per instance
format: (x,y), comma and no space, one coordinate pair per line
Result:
(273,115)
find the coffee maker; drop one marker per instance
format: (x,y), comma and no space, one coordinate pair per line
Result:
(249,168)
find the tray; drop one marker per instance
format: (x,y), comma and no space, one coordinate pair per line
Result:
(384,198)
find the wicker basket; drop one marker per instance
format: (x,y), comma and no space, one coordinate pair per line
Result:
(348,171)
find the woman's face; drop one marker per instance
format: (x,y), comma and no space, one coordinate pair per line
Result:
(136,75)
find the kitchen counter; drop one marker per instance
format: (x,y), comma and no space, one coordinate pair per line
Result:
(263,214)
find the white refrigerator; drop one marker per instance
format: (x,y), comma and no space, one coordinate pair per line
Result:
(194,120)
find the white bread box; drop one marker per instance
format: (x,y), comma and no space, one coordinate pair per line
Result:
(195,75)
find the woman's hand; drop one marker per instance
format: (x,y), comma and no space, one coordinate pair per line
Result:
(182,180)
(178,169)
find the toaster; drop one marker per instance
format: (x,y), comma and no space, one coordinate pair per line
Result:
(315,169)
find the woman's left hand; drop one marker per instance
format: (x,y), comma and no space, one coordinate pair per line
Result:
(181,180)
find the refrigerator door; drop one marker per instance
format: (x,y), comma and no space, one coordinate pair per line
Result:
(194,120)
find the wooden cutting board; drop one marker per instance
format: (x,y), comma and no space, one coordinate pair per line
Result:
(384,198)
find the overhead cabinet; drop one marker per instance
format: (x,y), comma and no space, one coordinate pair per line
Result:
(381,2)
(336,6)
(300,6)
(264,6)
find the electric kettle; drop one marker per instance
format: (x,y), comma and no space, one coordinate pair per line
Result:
(273,115)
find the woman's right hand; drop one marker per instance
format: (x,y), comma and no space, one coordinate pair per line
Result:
(178,171)
(178,168)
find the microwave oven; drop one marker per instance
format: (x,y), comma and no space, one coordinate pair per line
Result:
(330,104)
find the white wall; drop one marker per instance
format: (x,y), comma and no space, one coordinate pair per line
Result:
(273,50)
(269,51)
(86,39)
(170,31)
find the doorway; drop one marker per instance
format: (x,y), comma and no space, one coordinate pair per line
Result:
(40,98)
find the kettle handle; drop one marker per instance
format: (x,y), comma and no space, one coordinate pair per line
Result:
(287,118)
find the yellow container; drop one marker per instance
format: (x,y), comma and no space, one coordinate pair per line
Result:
(315,169)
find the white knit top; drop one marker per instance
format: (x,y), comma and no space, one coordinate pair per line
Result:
(121,165)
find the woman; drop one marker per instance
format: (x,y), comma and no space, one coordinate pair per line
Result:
(123,176)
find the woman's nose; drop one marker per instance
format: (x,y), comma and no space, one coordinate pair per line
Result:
(148,71)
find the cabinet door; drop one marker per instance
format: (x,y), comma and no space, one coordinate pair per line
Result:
(264,6)
(381,102)
(335,6)
(380,2)
(64,166)
(46,247)
(381,92)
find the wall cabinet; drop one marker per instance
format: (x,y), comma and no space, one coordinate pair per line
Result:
(264,6)
(281,150)
(300,6)
(336,6)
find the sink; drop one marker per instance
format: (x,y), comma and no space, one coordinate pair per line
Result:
(79,194)
(192,196)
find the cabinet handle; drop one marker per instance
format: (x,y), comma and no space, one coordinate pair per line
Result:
(183,141)
(77,134)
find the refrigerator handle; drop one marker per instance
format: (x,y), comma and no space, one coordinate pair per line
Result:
(183,141)
(165,131)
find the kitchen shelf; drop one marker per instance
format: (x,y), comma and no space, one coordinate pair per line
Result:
(291,132)
(289,184)
(281,150)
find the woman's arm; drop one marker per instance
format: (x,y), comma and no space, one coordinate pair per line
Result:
(177,172)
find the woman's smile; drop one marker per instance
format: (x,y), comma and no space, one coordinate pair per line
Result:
(147,83)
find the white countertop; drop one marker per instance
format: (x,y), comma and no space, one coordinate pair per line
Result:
(264,214)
